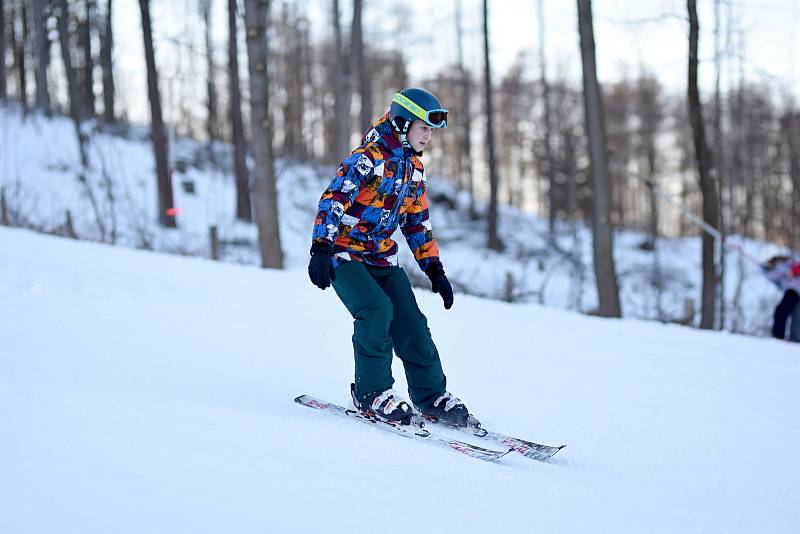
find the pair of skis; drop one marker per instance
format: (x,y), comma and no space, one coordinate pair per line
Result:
(416,430)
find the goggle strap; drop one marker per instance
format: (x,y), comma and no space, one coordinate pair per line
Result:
(417,110)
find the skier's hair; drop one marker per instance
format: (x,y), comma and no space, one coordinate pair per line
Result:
(774,260)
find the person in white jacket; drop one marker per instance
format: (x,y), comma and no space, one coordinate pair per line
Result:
(784,272)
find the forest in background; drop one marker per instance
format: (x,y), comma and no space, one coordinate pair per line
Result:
(280,90)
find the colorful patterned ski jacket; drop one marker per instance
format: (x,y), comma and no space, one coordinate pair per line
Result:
(378,187)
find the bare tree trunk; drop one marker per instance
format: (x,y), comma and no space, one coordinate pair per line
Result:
(548,125)
(42,56)
(649,119)
(719,163)
(569,143)
(86,27)
(734,149)
(106,65)
(341,104)
(494,186)
(212,128)
(291,35)
(465,163)
(308,136)
(264,188)
(244,210)
(297,108)
(165,200)
(602,230)
(704,167)
(649,116)
(794,173)
(18,42)
(77,112)
(357,51)
(76,102)
(3,72)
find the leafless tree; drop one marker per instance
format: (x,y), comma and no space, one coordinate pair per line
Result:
(648,106)
(19,38)
(290,76)
(106,65)
(243,207)
(297,107)
(465,120)
(166,216)
(341,66)
(548,125)
(42,56)
(264,189)
(357,52)
(212,129)
(86,27)
(78,113)
(516,97)
(617,114)
(719,162)
(3,74)
(602,229)
(707,183)
(790,127)
(494,185)
(76,102)
(574,201)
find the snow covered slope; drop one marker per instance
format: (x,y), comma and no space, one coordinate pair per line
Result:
(146,393)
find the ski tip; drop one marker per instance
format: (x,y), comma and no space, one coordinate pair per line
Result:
(299,398)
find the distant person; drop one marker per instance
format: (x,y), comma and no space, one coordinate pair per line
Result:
(379,187)
(784,271)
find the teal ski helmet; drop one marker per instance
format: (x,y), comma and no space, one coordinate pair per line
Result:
(412,104)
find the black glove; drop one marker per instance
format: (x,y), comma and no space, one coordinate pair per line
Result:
(440,284)
(320,268)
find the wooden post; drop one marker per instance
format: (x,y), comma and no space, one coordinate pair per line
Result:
(214,240)
(3,207)
(509,287)
(69,227)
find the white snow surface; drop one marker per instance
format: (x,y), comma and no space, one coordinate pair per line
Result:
(151,393)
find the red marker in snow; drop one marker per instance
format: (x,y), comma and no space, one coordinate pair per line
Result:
(173,212)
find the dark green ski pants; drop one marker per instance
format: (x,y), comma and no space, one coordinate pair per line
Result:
(386,316)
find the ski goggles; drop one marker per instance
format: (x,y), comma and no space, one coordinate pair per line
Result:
(436,118)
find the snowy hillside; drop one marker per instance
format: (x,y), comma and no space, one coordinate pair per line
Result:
(39,163)
(142,392)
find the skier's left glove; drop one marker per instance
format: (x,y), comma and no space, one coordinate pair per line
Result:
(440,284)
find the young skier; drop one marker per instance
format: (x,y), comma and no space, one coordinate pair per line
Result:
(784,272)
(378,187)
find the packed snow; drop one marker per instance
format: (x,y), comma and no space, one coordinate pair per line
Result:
(148,392)
(145,392)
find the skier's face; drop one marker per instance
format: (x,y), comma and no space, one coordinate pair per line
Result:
(419,135)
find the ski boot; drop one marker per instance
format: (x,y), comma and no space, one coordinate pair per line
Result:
(387,406)
(449,410)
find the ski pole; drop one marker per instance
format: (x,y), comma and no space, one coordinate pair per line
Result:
(725,240)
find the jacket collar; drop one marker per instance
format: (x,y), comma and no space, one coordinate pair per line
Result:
(382,133)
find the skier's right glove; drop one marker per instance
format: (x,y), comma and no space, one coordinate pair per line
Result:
(440,284)
(320,268)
